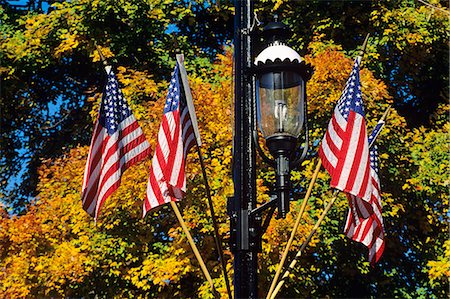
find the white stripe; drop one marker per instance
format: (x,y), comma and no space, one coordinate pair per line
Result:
(151,197)
(163,140)
(186,128)
(341,121)
(337,140)
(178,162)
(101,198)
(93,184)
(368,238)
(362,167)
(156,169)
(93,151)
(171,123)
(349,157)
(329,154)
(349,226)
(187,142)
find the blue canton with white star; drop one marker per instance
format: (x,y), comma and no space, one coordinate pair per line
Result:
(373,152)
(375,132)
(173,96)
(351,98)
(114,109)
(374,158)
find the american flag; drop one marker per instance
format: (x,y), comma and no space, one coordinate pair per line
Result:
(368,230)
(345,149)
(167,181)
(118,142)
(346,154)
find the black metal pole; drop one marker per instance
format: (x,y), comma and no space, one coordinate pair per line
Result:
(244,159)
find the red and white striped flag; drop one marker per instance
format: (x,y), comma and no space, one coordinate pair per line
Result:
(368,230)
(118,142)
(345,150)
(346,155)
(167,181)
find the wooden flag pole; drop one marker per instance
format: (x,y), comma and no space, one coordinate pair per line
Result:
(294,229)
(102,57)
(190,104)
(194,247)
(299,253)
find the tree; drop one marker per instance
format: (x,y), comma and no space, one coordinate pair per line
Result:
(51,85)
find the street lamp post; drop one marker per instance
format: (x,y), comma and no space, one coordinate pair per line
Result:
(276,80)
(244,157)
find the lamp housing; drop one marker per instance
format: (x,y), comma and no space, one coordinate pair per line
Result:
(281,76)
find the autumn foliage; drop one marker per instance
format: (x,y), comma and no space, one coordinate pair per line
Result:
(52,248)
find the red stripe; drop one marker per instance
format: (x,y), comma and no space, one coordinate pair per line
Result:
(93,191)
(337,128)
(93,157)
(365,183)
(113,168)
(155,187)
(173,146)
(158,151)
(356,163)
(344,150)
(170,140)
(147,206)
(367,228)
(111,189)
(87,195)
(181,175)
(332,146)
(326,163)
